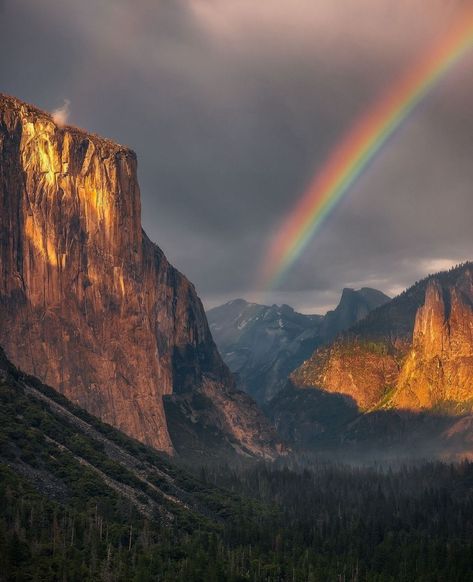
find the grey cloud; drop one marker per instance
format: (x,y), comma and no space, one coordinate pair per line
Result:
(232,106)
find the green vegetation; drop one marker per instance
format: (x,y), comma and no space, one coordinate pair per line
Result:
(353,345)
(79,501)
(385,400)
(411,524)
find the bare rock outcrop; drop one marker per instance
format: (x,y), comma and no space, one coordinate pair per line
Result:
(88,303)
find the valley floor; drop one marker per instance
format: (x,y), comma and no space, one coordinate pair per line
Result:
(81,502)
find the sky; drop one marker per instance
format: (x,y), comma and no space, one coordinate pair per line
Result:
(233,105)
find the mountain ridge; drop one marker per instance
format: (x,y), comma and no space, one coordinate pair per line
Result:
(263,344)
(401,377)
(87,302)
(369,360)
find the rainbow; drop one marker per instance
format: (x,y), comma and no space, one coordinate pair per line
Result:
(358,148)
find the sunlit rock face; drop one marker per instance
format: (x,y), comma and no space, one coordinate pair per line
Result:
(359,370)
(414,353)
(438,371)
(87,303)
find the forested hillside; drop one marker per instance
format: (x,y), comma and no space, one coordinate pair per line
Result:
(80,501)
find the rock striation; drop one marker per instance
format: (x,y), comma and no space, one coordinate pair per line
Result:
(438,371)
(415,353)
(88,303)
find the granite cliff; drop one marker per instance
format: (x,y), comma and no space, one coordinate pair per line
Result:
(89,304)
(438,371)
(398,382)
(415,353)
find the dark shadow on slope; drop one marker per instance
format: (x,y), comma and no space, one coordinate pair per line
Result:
(311,418)
(315,421)
(193,436)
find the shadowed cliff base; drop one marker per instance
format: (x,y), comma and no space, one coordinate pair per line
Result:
(315,421)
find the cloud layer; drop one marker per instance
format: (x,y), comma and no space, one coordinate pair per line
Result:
(61,114)
(232,105)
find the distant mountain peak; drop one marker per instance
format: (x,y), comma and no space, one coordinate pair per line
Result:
(355,305)
(239,302)
(263,344)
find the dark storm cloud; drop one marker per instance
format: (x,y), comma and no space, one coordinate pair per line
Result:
(232,105)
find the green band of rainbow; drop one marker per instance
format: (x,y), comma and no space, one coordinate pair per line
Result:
(359,147)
